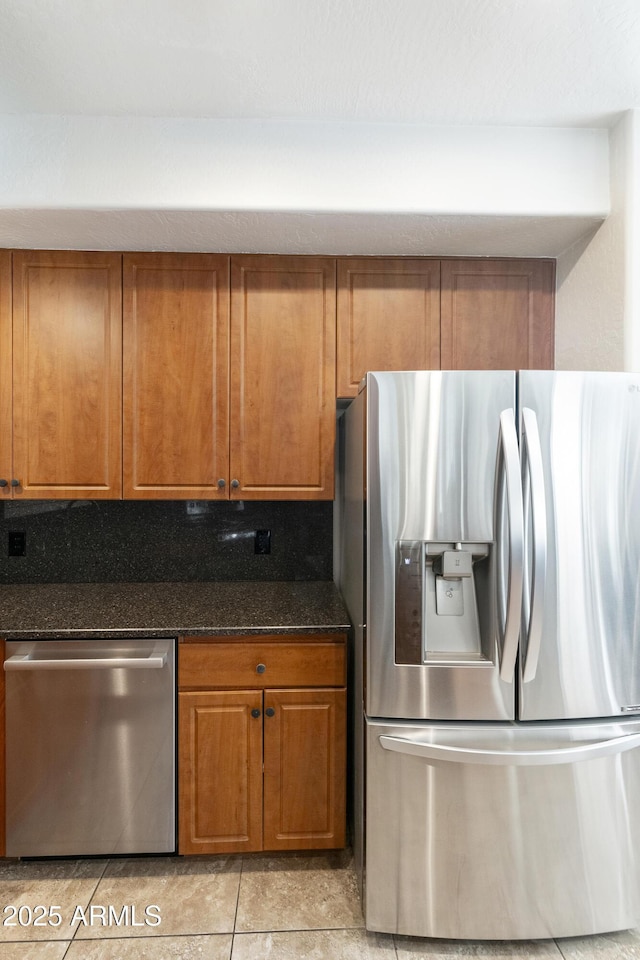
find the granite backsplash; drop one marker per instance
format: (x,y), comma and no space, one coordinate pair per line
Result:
(83,541)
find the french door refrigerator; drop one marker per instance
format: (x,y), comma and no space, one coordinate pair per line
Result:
(489,555)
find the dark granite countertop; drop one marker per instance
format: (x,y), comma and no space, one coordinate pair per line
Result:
(59,610)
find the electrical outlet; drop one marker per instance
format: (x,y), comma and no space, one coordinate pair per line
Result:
(196,508)
(17,543)
(262,542)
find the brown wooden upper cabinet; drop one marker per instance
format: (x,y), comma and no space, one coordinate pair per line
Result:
(423,314)
(228,383)
(388,317)
(176,376)
(60,375)
(497,314)
(282,395)
(228,403)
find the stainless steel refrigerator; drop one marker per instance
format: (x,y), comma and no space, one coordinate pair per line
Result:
(489,555)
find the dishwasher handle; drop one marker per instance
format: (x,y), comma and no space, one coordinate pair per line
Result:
(155,661)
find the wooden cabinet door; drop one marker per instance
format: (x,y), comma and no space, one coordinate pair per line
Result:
(282,417)
(220,771)
(304,769)
(176,330)
(388,317)
(67,374)
(6,365)
(497,314)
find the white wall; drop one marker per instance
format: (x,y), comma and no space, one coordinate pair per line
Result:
(119,182)
(598,279)
(284,187)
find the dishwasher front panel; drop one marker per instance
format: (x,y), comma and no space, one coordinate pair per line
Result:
(90,747)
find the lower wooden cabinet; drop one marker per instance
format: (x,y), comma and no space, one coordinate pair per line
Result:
(304,769)
(261,768)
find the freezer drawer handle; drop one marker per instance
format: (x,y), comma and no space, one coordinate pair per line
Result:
(513,758)
(155,661)
(508,464)
(534,498)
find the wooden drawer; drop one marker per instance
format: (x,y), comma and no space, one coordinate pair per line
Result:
(257,664)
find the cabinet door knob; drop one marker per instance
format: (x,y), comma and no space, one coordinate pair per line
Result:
(222,482)
(235,484)
(270,712)
(3,482)
(260,668)
(255,713)
(15,483)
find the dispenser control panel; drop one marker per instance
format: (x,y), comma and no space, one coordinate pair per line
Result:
(409,601)
(436,610)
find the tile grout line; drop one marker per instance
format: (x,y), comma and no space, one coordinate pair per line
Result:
(88,903)
(69,942)
(235,916)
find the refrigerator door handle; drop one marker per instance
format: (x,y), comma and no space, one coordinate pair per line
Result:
(518,758)
(508,465)
(534,499)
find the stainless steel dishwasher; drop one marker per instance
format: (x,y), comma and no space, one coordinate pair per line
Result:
(90,747)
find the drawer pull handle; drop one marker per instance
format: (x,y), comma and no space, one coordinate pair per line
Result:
(260,668)
(255,713)
(270,712)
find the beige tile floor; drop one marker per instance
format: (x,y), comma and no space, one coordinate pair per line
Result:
(291,907)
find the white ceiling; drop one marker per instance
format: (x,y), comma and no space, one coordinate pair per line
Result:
(531,62)
(428,62)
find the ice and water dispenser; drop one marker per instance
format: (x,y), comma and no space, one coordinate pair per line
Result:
(440,608)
